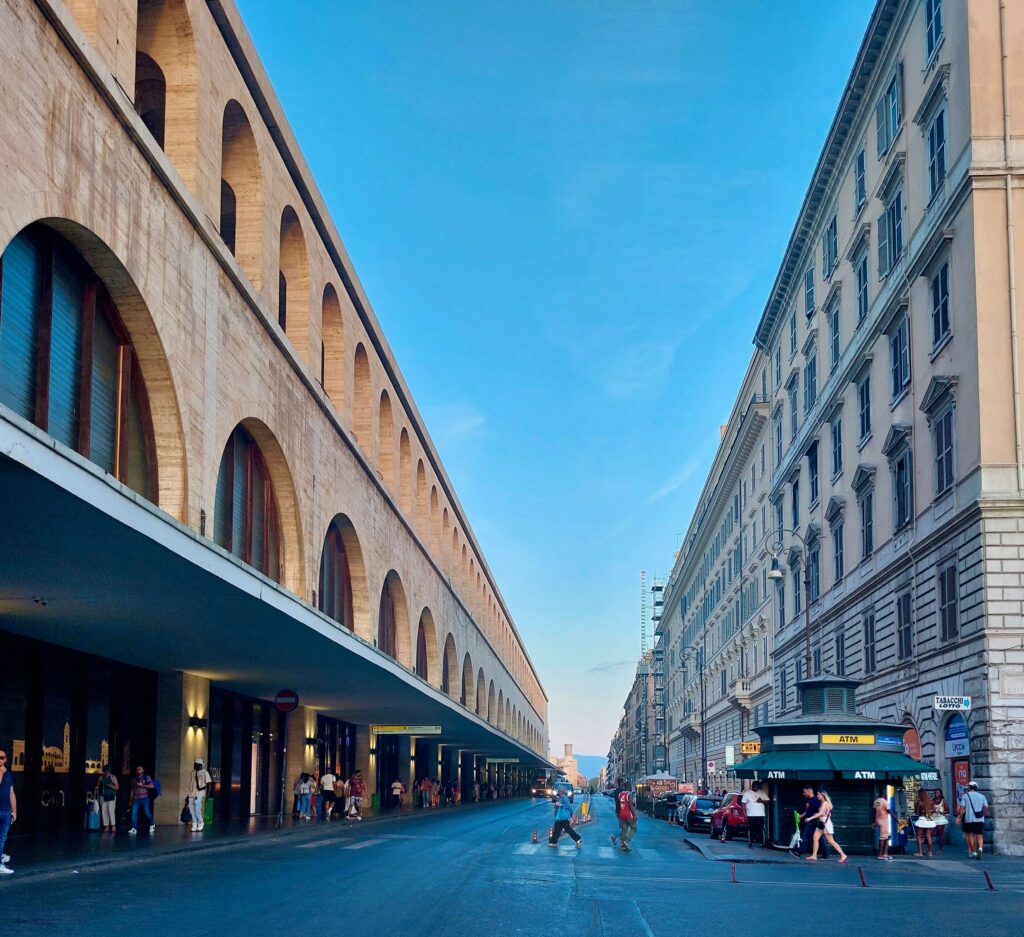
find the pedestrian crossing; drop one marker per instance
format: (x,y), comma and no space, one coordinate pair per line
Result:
(601,852)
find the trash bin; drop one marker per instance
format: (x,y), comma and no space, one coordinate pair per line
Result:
(208,810)
(375,802)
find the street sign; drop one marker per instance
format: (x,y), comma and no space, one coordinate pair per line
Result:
(502,761)
(847,740)
(711,766)
(954,703)
(286,701)
(730,755)
(750,748)
(405,730)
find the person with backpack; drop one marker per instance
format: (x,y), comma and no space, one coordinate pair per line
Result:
(198,784)
(142,785)
(563,822)
(106,793)
(626,815)
(971,810)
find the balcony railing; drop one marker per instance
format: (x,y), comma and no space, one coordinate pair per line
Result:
(740,693)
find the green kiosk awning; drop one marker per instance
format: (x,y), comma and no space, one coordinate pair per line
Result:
(824,765)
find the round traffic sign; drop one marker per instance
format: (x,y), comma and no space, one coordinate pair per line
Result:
(286,701)
(711,766)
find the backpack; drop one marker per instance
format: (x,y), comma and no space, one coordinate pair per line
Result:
(155,793)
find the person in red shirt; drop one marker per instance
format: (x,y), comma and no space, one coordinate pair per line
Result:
(356,792)
(626,816)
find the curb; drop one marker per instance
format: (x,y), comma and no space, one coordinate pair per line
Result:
(707,853)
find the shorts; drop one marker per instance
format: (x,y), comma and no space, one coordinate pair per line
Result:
(974,827)
(328,797)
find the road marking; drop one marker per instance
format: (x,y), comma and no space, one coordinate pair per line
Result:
(652,854)
(605,852)
(317,845)
(364,844)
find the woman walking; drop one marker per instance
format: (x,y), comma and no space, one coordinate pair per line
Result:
(822,822)
(941,816)
(925,822)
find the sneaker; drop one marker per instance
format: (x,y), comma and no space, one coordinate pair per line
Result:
(4,859)
(626,848)
(6,870)
(614,839)
(844,859)
(579,844)
(201,827)
(977,855)
(970,855)
(152,829)
(133,831)
(194,828)
(553,845)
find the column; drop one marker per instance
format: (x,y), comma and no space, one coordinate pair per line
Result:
(298,756)
(180,698)
(365,761)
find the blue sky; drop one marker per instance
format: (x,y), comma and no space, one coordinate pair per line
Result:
(567,216)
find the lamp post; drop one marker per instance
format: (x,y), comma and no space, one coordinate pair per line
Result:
(776,574)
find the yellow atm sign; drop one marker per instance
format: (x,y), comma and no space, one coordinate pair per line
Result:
(847,740)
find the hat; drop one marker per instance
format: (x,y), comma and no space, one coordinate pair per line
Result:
(973,784)
(199,761)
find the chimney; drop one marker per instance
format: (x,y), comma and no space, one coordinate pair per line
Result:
(568,751)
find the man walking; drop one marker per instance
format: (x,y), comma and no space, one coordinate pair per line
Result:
(812,807)
(8,810)
(626,815)
(356,791)
(198,784)
(971,810)
(563,822)
(327,781)
(142,784)
(753,801)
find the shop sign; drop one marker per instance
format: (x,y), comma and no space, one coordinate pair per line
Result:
(405,730)
(961,776)
(912,744)
(863,775)
(889,740)
(780,775)
(929,775)
(954,703)
(796,740)
(750,748)
(847,740)
(958,742)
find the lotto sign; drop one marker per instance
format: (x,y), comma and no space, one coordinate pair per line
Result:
(954,703)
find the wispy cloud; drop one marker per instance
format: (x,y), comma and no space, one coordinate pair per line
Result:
(679,479)
(457,422)
(612,665)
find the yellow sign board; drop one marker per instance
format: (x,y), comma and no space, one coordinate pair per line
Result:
(405,730)
(750,748)
(847,740)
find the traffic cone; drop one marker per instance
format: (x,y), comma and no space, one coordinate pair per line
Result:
(534,839)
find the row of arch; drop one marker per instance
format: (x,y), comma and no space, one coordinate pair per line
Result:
(166,97)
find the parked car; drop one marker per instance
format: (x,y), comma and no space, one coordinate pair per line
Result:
(729,819)
(662,805)
(695,812)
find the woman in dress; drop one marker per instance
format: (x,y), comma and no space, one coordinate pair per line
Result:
(941,816)
(925,822)
(822,822)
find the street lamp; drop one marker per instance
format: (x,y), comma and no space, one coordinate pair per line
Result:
(776,574)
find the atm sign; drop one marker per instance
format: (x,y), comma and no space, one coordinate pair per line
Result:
(848,740)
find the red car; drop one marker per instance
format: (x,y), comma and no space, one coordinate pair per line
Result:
(729,819)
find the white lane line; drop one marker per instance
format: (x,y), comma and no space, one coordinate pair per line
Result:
(528,849)
(605,852)
(652,854)
(317,845)
(364,844)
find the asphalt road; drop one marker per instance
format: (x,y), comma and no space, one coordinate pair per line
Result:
(475,871)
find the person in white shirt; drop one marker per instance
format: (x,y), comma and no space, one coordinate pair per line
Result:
(753,801)
(198,784)
(972,808)
(327,782)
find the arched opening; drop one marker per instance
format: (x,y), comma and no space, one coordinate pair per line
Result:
(491,702)
(464,570)
(386,436)
(362,390)
(247,521)
(445,540)
(501,710)
(293,283)
(514,731)
(422,506)
(241,203)
(426,648)
(466,695)
(166,81)
(435,523)
(507,724)
(67,359)
(332,351)
(393,620)
(405,473)
(449,665)
(341,591)
(481,693)
(150,95)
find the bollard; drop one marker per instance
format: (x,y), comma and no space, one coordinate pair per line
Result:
(734,874)
(863,881)
(988,881)
(534,839)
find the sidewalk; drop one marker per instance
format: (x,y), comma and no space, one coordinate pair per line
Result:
(49,853)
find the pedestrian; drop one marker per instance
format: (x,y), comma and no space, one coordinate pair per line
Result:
(397,792)
(807,820)
(341,794)
(456,795)
(753,801)
(476,792)
(142,784)
(297,794)
(883,820)
(8,810)
(357,790)
(823,827)
(106,793)
(424,793)
(305,793)
(626,815)
(672,805)
(198,783)
(314,792)
(563,822)
(940,814)
(435,793)
(972,808)
(327,781)
(924,822)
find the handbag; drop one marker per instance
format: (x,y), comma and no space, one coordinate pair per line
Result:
(186,814)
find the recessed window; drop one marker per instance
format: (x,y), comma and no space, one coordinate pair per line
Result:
(861,268)
(793,413)
(866,503)
(948,611)
(778,366)
(829,249)
(812,471)
(814,569)
(889,112)
(942,440)
(809,292)
(837,448)
(869,644)
(904,626)
(903,488)
(795,505)
(860,182)
(940,303)
(840,654)
(792,333)
(810,381)
(838,551)
(890,232)
(834,337)
(933,24)
(864,406)
(777,420)
(937,152)
(899,356)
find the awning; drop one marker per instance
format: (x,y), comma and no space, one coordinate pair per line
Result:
(822,765)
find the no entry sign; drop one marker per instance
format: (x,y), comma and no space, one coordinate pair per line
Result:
(286,701)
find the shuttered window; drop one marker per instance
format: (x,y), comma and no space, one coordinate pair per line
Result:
(66,361)
(387,626)
(335,592)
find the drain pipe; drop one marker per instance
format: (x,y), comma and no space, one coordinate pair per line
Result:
(1011,265)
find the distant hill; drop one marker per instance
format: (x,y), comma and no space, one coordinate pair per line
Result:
(591,765)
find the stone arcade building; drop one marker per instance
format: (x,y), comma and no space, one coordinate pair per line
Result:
(214,483)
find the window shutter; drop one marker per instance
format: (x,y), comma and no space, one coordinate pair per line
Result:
(881,144)
(19,324)
(222,503)
(258,521)
(65,348)
(103,416)
(137,462)
(883,246)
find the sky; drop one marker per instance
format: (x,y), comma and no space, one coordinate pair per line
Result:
(567,215)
